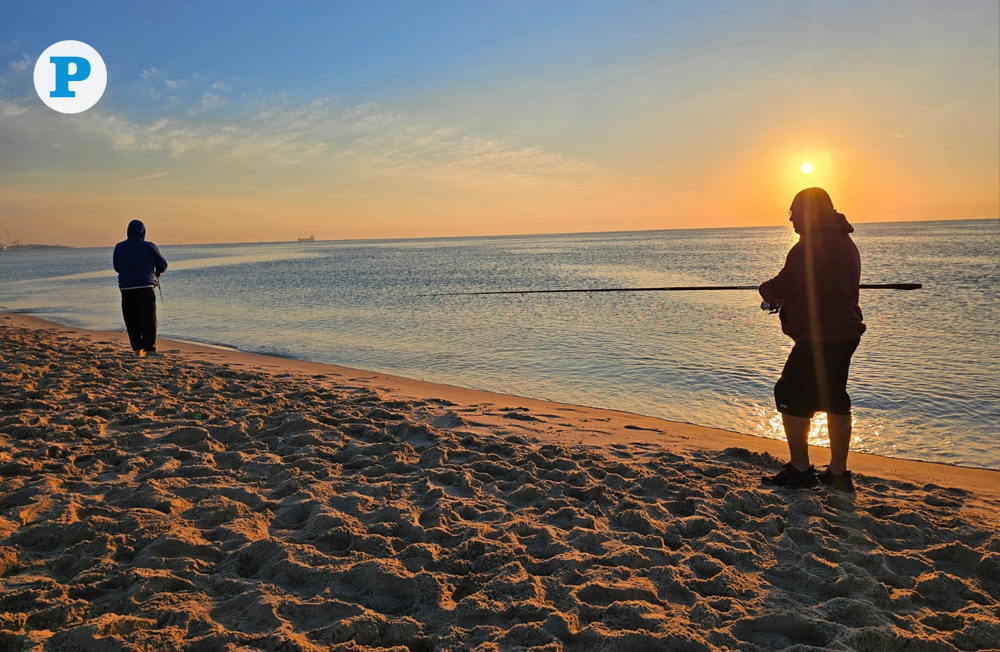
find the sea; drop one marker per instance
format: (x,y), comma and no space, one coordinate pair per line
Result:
(925,381)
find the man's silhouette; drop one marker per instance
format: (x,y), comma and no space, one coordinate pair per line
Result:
(818,291)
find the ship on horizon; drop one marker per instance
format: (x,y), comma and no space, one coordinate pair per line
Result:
(311,238)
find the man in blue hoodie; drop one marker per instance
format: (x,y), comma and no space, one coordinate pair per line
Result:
(139,265)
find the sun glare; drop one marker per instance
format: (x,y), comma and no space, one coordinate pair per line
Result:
(806,168)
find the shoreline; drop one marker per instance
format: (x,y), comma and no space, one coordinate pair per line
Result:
(617,427)
(406,380)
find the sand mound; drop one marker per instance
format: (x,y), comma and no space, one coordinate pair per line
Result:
(166,504)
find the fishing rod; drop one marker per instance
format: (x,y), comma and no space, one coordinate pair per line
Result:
(677,288)
(159,287)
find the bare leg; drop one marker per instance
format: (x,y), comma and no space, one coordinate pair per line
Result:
(840,441)
(797,434)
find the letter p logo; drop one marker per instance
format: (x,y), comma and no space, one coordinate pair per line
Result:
(70,76)
(63,76)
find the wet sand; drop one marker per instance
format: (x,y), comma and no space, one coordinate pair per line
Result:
(207,499)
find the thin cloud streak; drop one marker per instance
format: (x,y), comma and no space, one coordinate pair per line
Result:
(156,175)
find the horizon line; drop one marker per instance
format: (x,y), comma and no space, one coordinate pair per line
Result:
(504,235)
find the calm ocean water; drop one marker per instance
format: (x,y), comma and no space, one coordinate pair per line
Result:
(925,380)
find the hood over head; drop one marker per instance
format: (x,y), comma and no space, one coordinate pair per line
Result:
(812,211)
(137,229)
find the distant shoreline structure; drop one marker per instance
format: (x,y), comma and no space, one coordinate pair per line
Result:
(17,246)
(311,238)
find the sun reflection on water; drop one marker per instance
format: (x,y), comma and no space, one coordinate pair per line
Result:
(819,433)
(769,424)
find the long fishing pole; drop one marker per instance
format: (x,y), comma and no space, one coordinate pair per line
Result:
(678,288)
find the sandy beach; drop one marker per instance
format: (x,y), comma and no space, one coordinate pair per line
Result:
(207,499)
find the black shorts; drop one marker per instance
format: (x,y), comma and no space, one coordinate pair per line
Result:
(815,379)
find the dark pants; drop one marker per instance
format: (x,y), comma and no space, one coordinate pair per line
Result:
(815,379)
(139,310)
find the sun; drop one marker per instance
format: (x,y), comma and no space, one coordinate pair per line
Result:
(806,168)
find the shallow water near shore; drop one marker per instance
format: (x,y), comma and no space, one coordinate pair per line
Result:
(925,380)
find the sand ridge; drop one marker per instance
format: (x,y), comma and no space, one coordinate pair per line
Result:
(180,504)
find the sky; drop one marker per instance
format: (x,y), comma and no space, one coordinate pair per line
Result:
(263,121)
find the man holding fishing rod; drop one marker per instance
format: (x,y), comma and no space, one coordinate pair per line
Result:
(139,265)
(818,293)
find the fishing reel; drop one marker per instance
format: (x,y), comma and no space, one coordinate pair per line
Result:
(770,306)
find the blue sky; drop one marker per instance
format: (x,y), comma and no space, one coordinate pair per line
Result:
(363,51)
(557,115)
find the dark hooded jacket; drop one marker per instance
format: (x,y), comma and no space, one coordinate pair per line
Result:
(818,286)
(137,261)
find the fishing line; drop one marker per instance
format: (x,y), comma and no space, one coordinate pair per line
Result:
(680,288)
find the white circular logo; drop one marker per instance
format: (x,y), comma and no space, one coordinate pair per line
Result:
(70,76)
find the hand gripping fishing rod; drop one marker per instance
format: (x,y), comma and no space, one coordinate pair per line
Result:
(678,288)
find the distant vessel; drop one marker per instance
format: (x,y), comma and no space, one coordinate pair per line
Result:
(311,238)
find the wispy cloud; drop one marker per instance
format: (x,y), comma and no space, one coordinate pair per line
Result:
(22,64)
(208,102)
(10,109)
(366,140)
(198,96)
(212,99)
(155,84)
(155,175)
(150,85)
(368,136)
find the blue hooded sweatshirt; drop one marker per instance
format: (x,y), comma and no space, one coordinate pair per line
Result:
(137,261)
